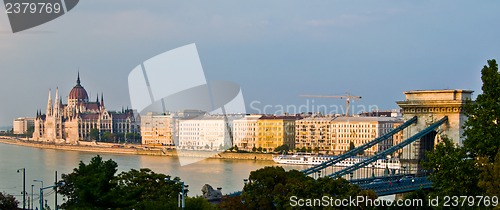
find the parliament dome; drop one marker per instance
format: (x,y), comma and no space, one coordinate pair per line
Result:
(78,92)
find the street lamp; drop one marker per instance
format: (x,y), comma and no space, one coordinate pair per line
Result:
(386,172)
(24,186)
(44,188)
(36,180)
(373,170)
(181,198)
(32,186)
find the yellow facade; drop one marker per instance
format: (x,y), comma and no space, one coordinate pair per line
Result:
(274,131)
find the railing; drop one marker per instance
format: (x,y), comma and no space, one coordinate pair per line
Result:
(391,187)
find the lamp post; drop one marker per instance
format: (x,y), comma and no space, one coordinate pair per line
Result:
(32,186)
(36,180)
(24,186)
(386,172)
(44,188)
(181,198)
(373,170)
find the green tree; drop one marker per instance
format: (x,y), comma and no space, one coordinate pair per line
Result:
(482,128)
(282,149)
(145,189)
(196,203)
(303,149)
(89,186)
(94,134)
(453,172)
(316,150)
(272,188)
(95,186)
(259,149)
(30,130)
(351,145)
(108,137)
(309,150)
(489,178)
(254,149)
(229,203)
(235,148)
(133,137)
(8,201)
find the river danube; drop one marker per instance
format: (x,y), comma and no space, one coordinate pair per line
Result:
(41,164)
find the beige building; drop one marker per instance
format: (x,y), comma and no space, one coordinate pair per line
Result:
(21,125)
(335,134)
(158,129)
(314,132)
(245,132)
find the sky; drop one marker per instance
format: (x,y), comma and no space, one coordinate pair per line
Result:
(275,50)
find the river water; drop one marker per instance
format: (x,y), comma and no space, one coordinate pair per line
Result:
(41,164)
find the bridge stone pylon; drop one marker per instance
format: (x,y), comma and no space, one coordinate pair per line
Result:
(430,106)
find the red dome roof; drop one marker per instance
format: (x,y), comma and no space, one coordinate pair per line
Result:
(78,92)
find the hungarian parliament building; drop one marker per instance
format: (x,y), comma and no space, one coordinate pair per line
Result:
(74,121)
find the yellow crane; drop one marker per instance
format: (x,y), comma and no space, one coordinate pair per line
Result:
(347,98)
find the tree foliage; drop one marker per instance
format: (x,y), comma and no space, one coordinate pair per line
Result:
(95,186)
(489,178)
(482,129)
(89,186)
(454,173)
(145,189)
(272,188)
(473,169)
(8,202)
(282,149)
(94,134)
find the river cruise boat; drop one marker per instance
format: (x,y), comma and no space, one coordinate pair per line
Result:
(306,159)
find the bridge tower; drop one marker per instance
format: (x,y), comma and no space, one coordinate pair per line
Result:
(430,106)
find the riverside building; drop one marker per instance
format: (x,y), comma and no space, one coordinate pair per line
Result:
(334,135)
(74,121)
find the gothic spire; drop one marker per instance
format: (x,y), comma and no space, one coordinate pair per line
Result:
(49,105)
(102,99)
(78,79)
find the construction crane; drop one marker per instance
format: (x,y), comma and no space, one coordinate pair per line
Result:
(347,98)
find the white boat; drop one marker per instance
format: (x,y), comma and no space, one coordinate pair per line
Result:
(301,159)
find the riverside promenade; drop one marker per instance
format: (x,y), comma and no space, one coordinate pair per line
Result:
(130,149)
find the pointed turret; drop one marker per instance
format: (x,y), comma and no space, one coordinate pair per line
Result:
(78,78)
(56,103)
(102,99)
(49,105)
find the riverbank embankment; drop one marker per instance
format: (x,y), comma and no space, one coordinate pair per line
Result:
(132,149)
